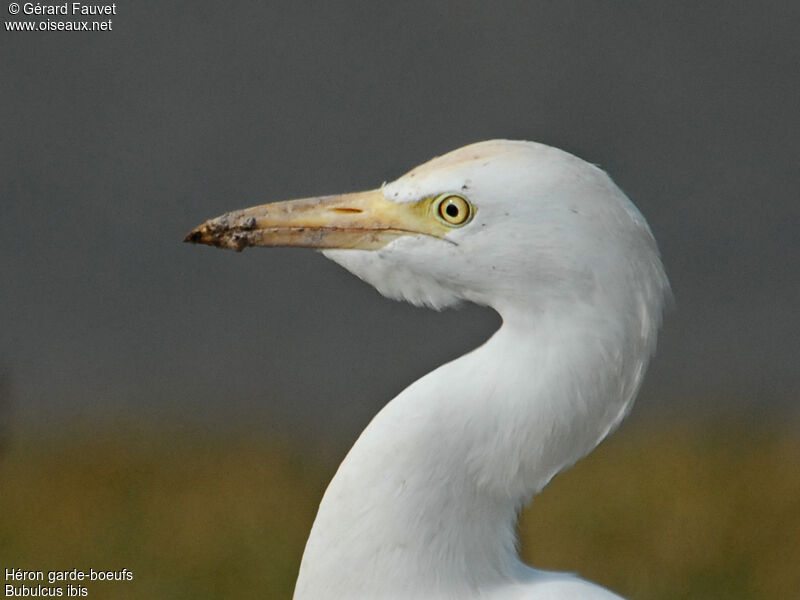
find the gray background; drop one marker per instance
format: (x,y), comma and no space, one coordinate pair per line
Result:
(113,145)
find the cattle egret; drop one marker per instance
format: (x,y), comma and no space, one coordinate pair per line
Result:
(425,504)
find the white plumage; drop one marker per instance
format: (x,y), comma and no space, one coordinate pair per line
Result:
(425,504)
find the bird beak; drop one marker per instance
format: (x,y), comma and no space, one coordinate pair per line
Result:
(363,220)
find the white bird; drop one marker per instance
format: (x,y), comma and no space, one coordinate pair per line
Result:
(425,504)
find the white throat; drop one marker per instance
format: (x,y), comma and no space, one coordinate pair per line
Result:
(425,504)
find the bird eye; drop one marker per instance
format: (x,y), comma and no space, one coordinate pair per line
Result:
(455,210)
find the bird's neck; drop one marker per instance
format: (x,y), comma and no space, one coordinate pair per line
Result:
(427,500)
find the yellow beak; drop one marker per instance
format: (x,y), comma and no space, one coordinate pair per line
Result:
(363,220)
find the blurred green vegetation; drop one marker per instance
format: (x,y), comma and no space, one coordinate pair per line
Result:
(662,510)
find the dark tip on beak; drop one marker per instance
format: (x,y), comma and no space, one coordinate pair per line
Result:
(221,233)
(208,233)
(194,236)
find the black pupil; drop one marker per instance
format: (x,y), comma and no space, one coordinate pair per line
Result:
(451,210)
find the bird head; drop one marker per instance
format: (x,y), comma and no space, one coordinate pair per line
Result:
(496,223)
